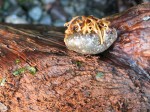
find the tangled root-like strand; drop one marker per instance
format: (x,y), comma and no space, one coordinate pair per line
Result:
(86,25)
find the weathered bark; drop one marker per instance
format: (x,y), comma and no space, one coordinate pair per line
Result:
(133,45)
(65,80)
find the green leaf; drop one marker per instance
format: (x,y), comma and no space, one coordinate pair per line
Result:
(32,70)
(19,71)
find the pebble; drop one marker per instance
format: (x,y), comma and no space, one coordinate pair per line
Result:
(35,2)
(18,11)
(69,10)
(59,11)
(146,0)
(48,1)
(6,5)
(46,20)
(64,2)
(59,23)
(35,13)
(3,108)
(14,19)
(80,9)
(13,2)
(56,13)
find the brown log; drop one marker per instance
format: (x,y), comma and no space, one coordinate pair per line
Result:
(133,45)
(66,81)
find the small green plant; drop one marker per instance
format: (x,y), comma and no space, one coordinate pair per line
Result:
(99,75)
(79,63)
(17,61)
(19,71)
(30,69)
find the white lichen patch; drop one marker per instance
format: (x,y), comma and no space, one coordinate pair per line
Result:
(3,108)
(146,18)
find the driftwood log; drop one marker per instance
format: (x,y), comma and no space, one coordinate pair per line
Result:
(65,81)
(133,45)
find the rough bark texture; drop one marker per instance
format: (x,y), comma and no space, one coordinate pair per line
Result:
(133,45)
(66,81)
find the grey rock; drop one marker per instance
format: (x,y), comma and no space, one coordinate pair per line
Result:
(3,108)
(101,2)
(35,2)
(69,10)
(13,2)
(6,5)
(35,13)
(15,19)
(79,8)
(56,13)
(46,20)
(146,0)
(48,1)
(64,2)
(59,23)
(18,11)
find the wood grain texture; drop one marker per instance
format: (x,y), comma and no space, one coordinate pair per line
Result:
(67,81)
(133,45)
